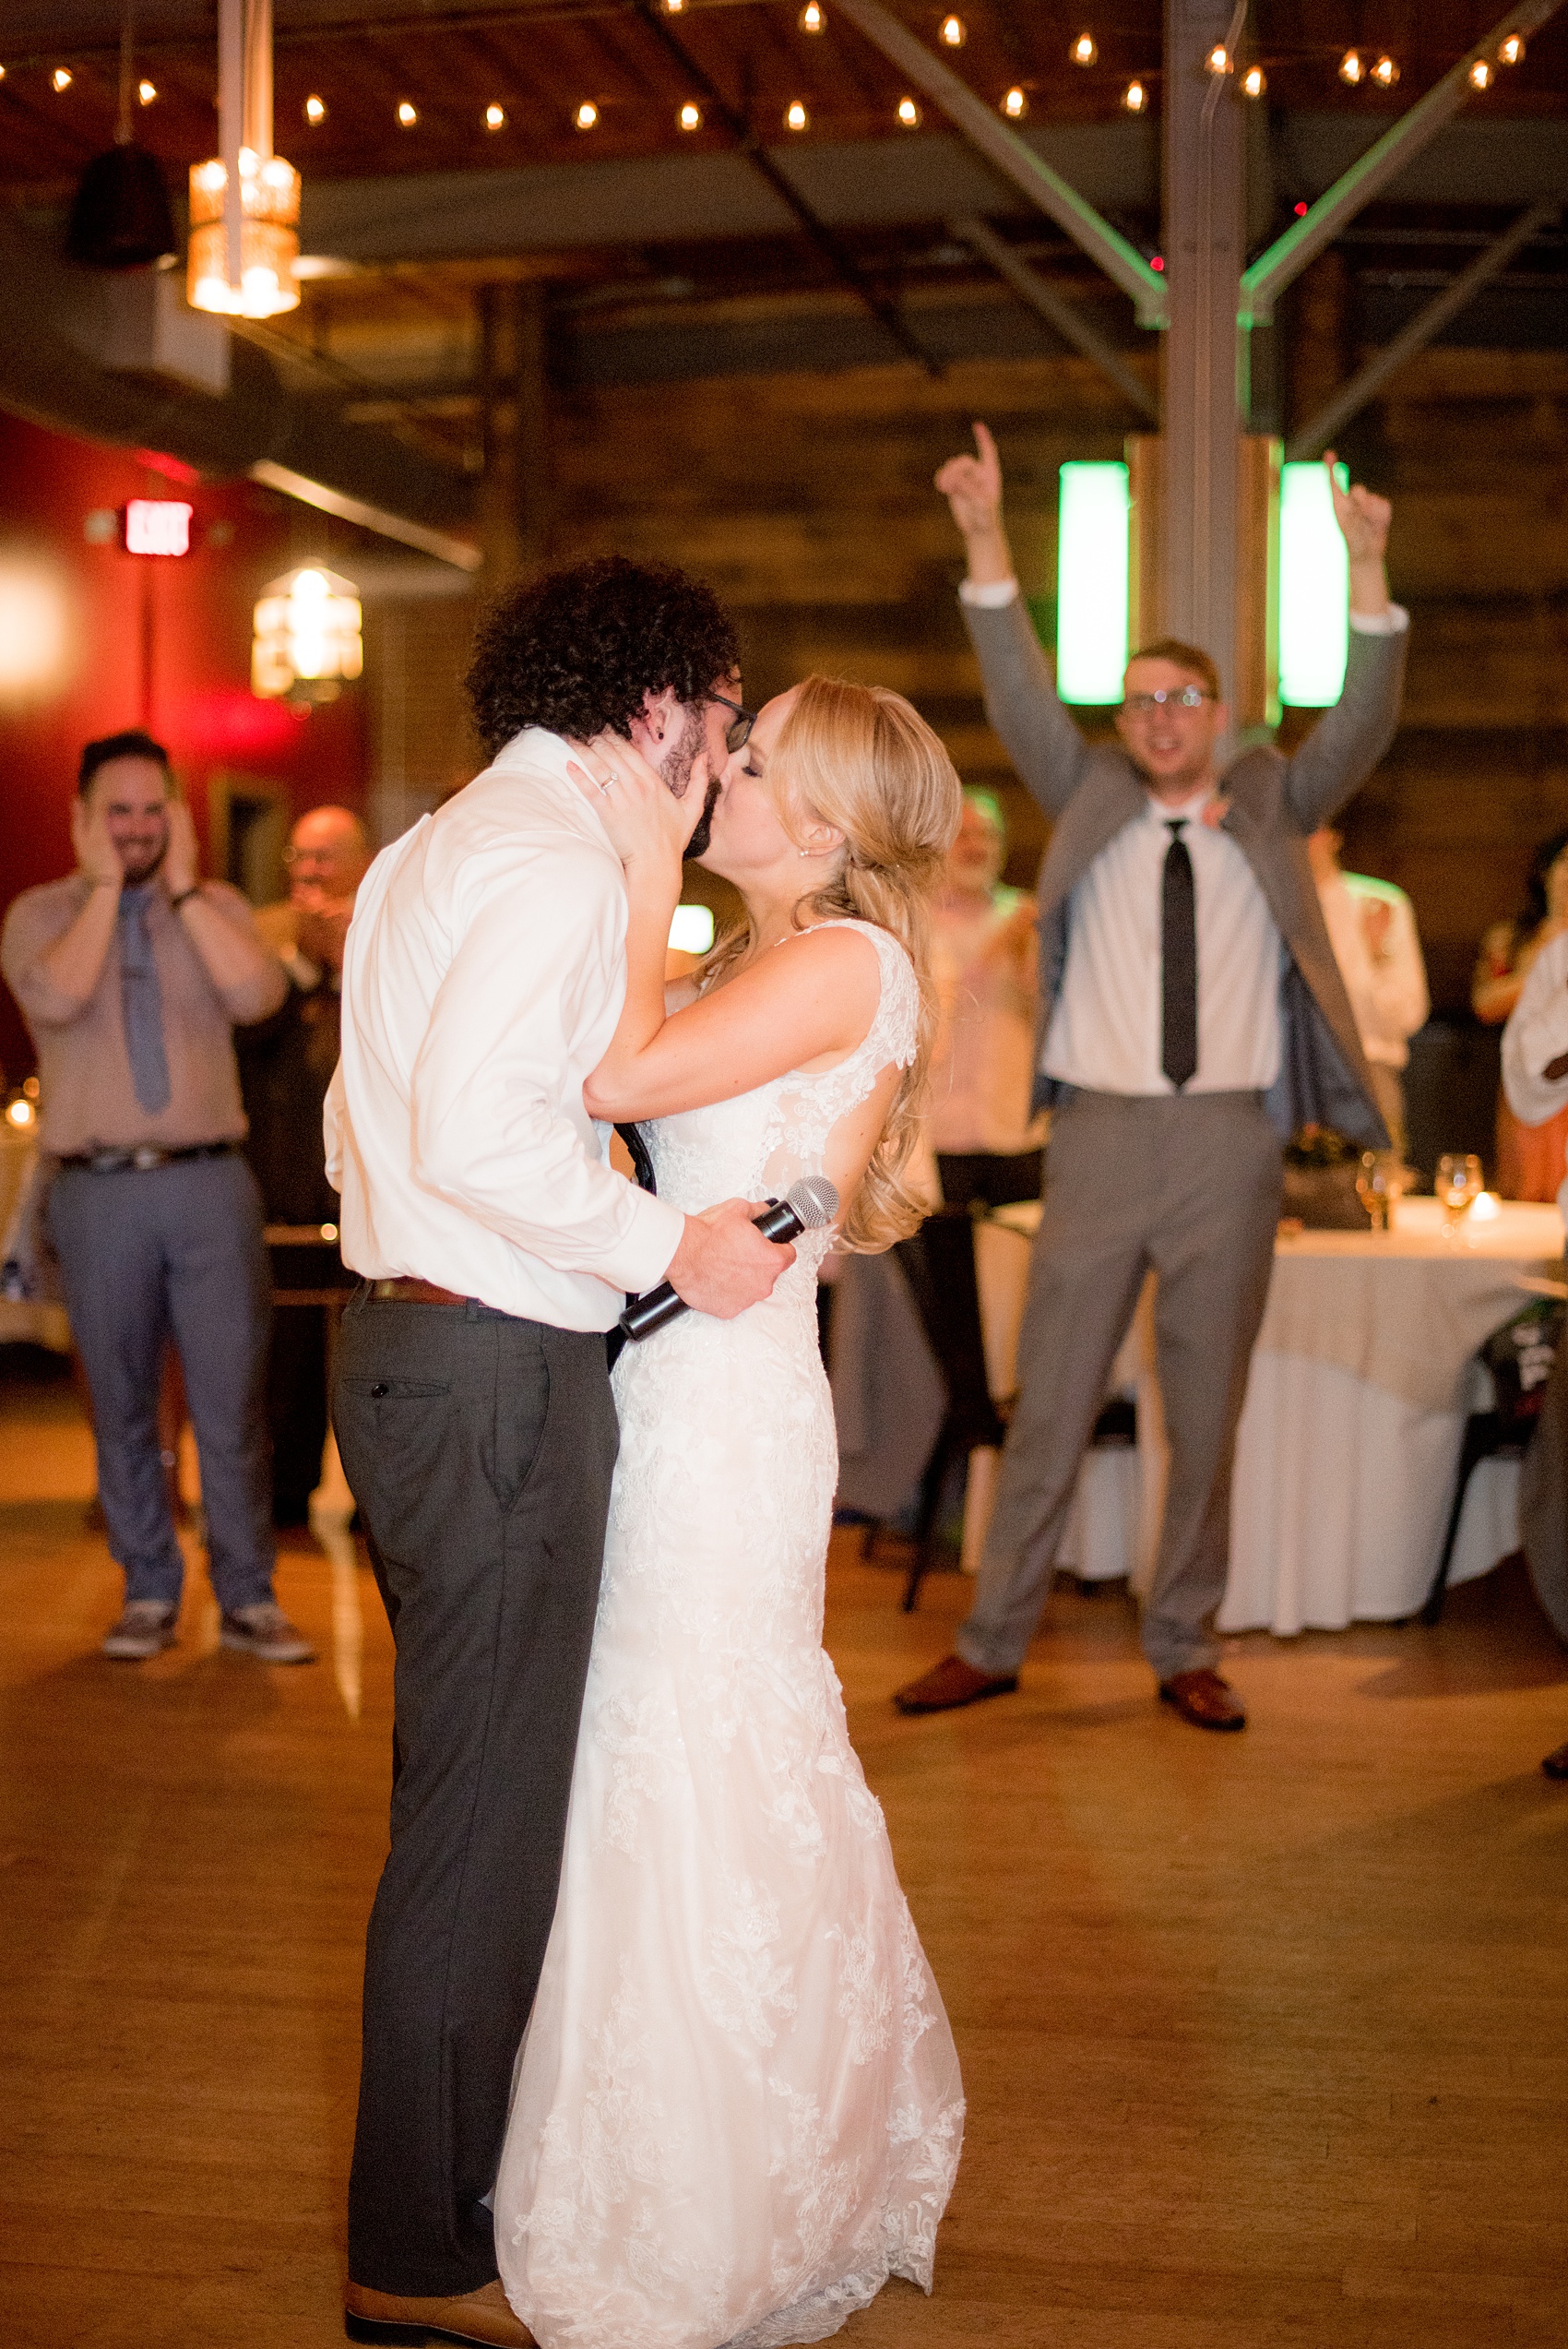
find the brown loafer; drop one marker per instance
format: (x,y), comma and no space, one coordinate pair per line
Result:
(1556,1762)
(393,2317)
(1204,1700)
(953,1682)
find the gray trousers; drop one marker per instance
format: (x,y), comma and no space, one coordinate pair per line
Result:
(173,1251)
(479,1448)
(1190,1186)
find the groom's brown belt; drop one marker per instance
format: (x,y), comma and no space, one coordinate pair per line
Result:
(408,1291)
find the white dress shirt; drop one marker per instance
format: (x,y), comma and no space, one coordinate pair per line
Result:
(1105,1030)
(1537,1033)
(1388,988)
(484,974)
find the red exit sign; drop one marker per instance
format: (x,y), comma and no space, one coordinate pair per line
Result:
(156,526)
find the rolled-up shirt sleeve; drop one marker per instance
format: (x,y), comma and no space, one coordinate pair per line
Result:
(493,1131)
(29,933)
(1536,1035)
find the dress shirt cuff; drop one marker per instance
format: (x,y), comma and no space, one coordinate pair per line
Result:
(987,595)
(647,1249)
(1392,622)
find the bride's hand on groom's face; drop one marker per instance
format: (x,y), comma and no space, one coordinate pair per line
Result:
(645,822)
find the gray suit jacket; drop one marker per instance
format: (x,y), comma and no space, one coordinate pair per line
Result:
(1274,803)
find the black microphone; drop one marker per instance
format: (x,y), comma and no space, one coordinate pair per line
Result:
(810,1205)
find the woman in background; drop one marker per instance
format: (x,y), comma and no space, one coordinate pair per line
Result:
(981,1127)
(1530,1159)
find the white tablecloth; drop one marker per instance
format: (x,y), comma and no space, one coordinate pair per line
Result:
(1349,1438)
(41,1323)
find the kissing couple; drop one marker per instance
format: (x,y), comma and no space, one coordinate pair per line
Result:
(653,2059)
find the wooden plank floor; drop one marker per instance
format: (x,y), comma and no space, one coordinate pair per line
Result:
(1264,2038)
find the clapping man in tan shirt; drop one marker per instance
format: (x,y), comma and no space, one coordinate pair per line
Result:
(131,974)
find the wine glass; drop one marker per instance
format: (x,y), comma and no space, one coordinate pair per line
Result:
(1379,1180)
(1459,1183)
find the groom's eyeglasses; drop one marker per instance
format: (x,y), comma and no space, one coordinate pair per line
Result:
(739,730)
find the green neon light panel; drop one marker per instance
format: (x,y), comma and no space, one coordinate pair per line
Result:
(1315,591)
(1091,583)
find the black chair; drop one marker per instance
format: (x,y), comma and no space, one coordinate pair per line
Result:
(1519,1357)
(938,1263)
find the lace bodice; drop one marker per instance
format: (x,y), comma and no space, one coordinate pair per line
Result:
(756,1145)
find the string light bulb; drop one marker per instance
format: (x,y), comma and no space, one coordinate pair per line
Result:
(674,7)
(1217,62)
(954,32)
(812,18)
(1350,67)
(1481,75)
(587,114)
(1134,98)
(1254,81)
(1511,50)
(1386,73)
(690,116)
(146,93)
(495,118)
(408,115)
(795,115)
(315,111)
(1084,49)
(909,113)
(1015,105)
(61,77)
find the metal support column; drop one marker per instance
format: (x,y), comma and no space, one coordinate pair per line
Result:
(1204,156)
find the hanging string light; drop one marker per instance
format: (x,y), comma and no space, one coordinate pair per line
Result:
(795,115)
(1015,105)
(61,77)
(1481,75)
(1511,50)
(1350,67)
(1084,49)
(495,118)
(812,18)
(244,200)
(587,114)
(1386,73)
(407,115)
(1134,98)
(909,113)
(1217,62)
(146,93)
(690,116)
(1254,81)
(315,111)
(954,32)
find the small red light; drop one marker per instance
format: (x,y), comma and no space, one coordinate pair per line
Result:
(1300,212)
(158,526)
(1157,262)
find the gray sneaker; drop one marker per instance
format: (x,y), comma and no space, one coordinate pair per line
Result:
(145,1628)
(265,1631)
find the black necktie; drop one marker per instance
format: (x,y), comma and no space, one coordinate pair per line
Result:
(642,1167)
(1177,963)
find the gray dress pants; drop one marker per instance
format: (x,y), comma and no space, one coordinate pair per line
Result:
(147,1253)
(479,1448)
(1190,1186)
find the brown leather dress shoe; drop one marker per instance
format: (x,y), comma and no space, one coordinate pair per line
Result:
(1204,1700)
(953,1682)
(1556,1762)
(482,2316)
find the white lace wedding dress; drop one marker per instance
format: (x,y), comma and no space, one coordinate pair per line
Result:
(737,2110)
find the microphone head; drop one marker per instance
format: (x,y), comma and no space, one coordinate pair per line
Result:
(814,1200)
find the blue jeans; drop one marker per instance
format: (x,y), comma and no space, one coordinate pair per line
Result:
(174,1250)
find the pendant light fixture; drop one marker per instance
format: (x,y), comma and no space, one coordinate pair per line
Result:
(119,218)
(244,200)
(307,642)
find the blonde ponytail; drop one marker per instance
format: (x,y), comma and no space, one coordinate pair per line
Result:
(861,758)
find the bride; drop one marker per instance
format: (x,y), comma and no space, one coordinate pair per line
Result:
(737,2108)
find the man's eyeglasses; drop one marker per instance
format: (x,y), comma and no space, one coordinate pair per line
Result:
(739,730)
(1143,705)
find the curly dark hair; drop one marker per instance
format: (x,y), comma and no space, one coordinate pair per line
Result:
(577,650)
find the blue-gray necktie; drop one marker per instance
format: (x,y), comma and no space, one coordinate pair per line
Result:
(141,1004)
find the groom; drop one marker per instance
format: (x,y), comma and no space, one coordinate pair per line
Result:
(483,978)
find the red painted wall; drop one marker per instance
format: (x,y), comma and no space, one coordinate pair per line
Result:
(163,643)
